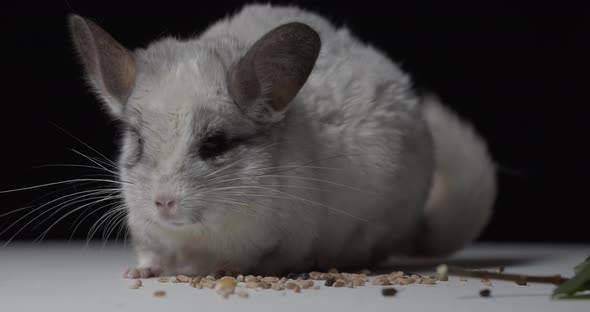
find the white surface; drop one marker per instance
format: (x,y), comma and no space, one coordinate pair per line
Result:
(61,277)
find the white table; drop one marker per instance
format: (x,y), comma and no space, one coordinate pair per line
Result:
(69,277)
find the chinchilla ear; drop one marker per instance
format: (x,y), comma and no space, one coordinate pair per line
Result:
(109,67)
(265,80)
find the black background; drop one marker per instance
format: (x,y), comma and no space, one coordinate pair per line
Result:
(518,71)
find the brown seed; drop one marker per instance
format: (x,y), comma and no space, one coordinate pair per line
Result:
(329,282)
(250,278)
(159,293)
(325,276)
(173,279)
(381,280)
(306,284)
(240,278)
(389,291)
(339,283)
(211,277)
(443,278)
(485,292)
(521,282)
(251,284)
(243,294)
(277,286)
(182,278)
(315,275)
(358,282)
(163,280)
(428,281)
(291,285)
(270,279)
(259,277)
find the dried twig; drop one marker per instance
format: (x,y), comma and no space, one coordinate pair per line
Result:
(518,278)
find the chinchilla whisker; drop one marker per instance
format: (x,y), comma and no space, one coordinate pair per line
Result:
(84,143)
(112,224)
(121,226)
(41,207)
(100,222)
(110,206)
(77,200)
(293,167)
(95,161)
(294,197)
(317,180)
(62,182)
(240,160)
(111,192)
(71,212)
(77,166)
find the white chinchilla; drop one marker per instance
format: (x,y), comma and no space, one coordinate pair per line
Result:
(274,141)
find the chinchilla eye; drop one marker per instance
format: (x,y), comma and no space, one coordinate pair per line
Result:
(214,145)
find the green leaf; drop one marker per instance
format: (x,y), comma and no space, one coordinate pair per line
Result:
(580,282)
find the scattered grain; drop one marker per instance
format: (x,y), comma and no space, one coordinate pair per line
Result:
(330,281)
(339,283)
(163,280)
(182,278)
(240,278)
(159,293)
(173,279)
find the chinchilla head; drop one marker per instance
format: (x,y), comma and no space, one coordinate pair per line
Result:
(196,115)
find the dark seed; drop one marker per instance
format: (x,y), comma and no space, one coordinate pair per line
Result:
(388,292)
(303,276)
(292,276)
(521,282)
(330,282)
(485,292)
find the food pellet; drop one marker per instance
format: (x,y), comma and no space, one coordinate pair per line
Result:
(251,278)
(251,284)
(159,293)
(485,292)
(315,275)
(240,278)
(227,280)
(358,282)
(163,280)
(388,292)
(135,284)
(443,278)
(182,278)
(428,281)
(173,279)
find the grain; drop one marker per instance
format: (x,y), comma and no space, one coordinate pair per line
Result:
(340,283)
(388,292)
(173,279)
(307,284)
(159,293)
(227,280)
(243,294)
(443,278)
(250,278)
(291,285)
(182,278)
(163,280)
(240,278)
(315,275)
(251,284)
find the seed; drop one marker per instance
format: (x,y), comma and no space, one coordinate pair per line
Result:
(291,285)
(243,293)
(339,283)
(306,284)
(485,292)
(197,279)
(135,284)
(277,286)
(389,291)
(211,277)
(227,280)
(159,293)
(330,282)
(240,278)
(259,277)
(270,279)
(443,278)
(182,278)
(251,278)
(163,280)
(358,282)
(428,281)
(251,284)
(173,279)
(381,280)
(315,275)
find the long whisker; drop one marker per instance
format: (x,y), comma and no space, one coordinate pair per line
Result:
(62,182)
(84,143)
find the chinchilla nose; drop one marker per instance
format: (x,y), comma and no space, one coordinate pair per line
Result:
(165,201)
